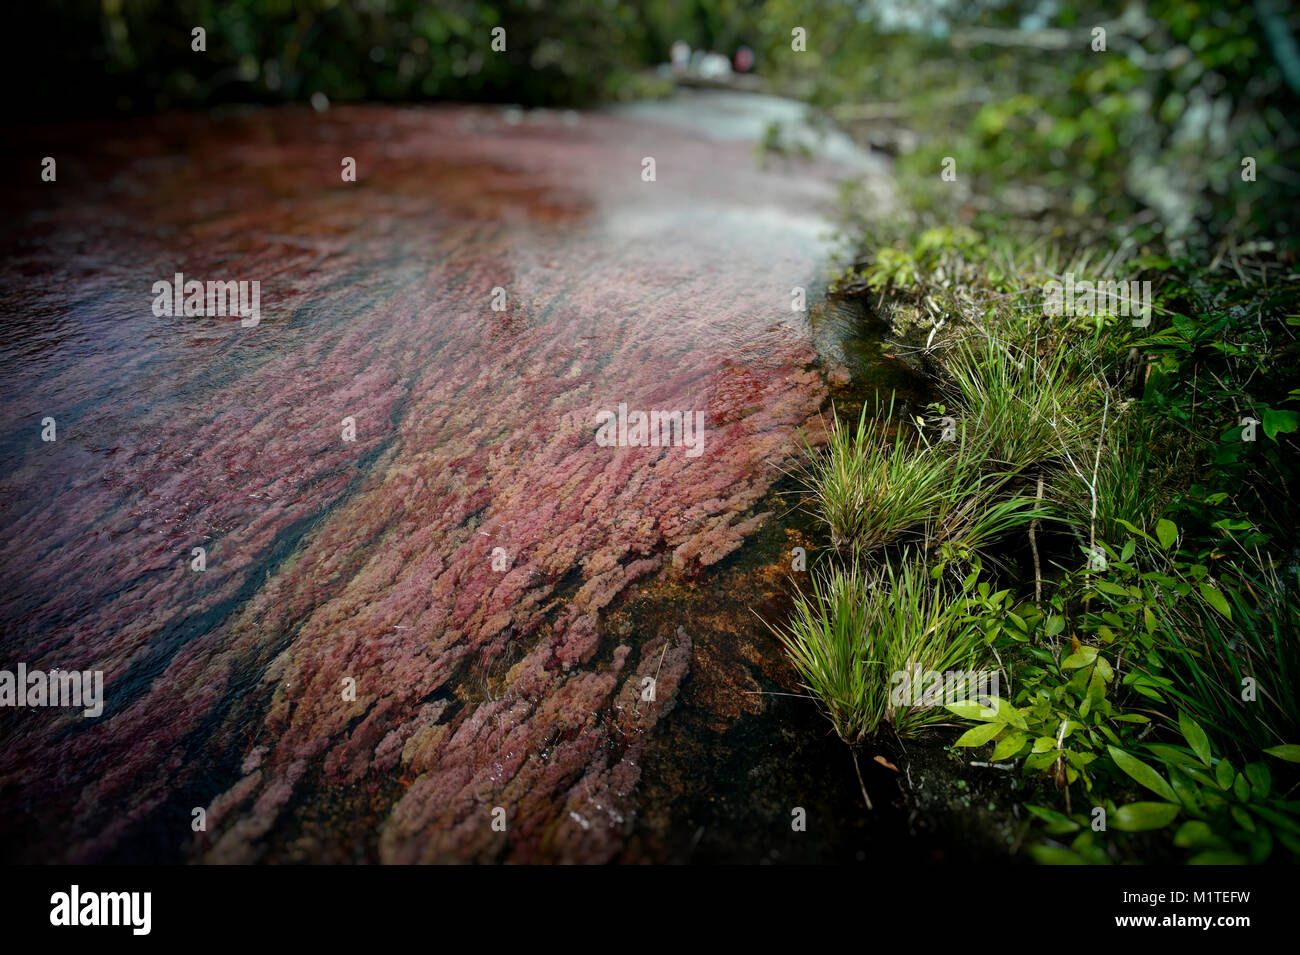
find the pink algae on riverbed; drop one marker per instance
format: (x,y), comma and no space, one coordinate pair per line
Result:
(376,564)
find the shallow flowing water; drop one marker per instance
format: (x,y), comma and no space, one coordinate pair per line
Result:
(450,620)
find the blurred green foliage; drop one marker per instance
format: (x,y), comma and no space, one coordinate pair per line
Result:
(1144,139)
(569,52)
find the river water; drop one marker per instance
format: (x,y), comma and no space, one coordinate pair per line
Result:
(426,632)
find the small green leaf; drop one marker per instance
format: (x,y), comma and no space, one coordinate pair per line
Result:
(1290,752)
(1104,671)
(1140,816)
(1167,531)
(1215,599)
(1189,795)
(1241,788)
(1223,774)
(970,710)
(980,734)
(1009,745)
(1143,773)
(1040,760)
(1009,714)
(1081,659)
(1195,736)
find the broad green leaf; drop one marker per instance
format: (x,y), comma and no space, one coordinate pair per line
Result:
(1290,752)
(1143,773)
(1040,760)
(1241,788)
(1167,531)
(1104,672)
(1188,793)
(1140,816)
(1009,714)
(1278,419)
(1081,659)
(1009,745)
(1195,736)
(1223,774)
(1148,690)
(1215,599)
(970,710)
(980,734)
(1055,624)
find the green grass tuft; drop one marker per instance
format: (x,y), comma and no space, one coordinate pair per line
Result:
(852,635)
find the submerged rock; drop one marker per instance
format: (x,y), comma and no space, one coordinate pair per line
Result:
(418,608)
